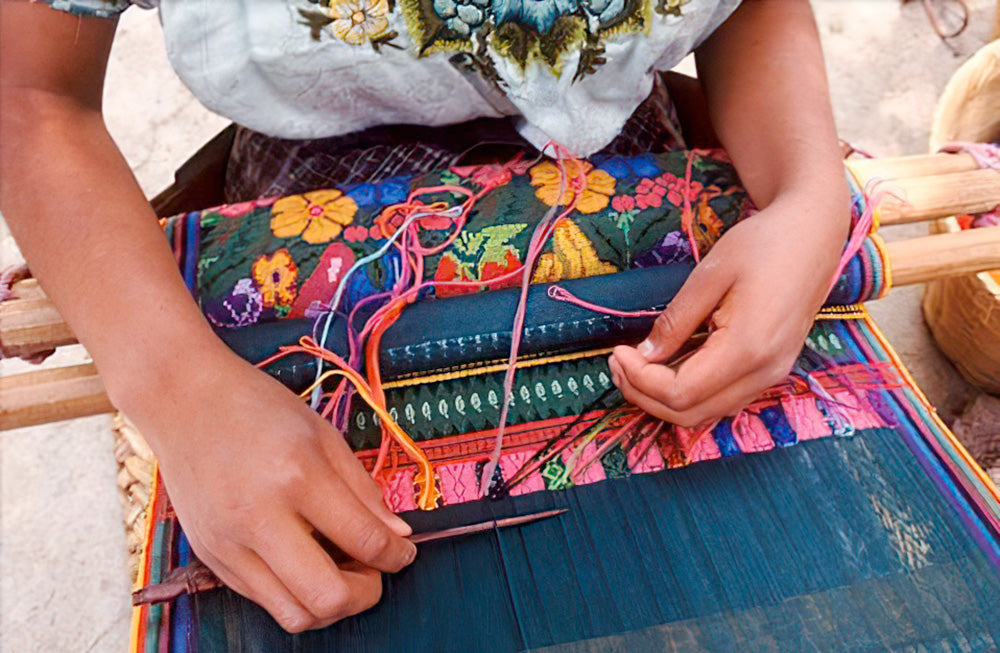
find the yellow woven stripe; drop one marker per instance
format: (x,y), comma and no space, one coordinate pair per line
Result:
(845,312)
(142,575)
(491,368)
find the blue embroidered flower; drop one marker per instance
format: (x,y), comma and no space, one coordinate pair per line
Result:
(462,16)
(621,167)
(540,14)
(390,191)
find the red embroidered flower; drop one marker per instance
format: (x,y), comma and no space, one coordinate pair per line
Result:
(356,233)
(494,269)
(238,209)
(390,219)
(622,203)
(650,192)
(493,175)
(678,188)
(448,270)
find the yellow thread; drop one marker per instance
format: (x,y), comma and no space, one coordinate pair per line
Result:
(491,368)
(428,496)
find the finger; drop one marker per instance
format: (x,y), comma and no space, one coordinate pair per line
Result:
(312,577)
(246,574)
(334,510)
(710,370)
(731,401)
(365,585)
(686,311)
(360,482)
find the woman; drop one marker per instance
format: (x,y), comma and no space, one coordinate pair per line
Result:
(250,501)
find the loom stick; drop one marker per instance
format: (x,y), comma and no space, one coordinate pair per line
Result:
(900,167)
(944,255)
(916,199)
(51,395)
(195,577)
(31,326)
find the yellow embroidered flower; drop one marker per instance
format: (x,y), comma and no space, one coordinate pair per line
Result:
(358,21)
(593,187)
(318,217)
(275,276)
(572,257)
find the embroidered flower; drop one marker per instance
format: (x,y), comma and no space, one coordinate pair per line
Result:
(392,217)
(493,175)
(621,167)
(650,193)
(622,203)
(462,16)
(389,191)
(592,187)
(241,208)
(540,14)
(318,217)
(242,307)
(275,276)
(356,233)
(678,188)
(359,21)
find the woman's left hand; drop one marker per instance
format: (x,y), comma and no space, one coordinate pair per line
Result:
(759,288)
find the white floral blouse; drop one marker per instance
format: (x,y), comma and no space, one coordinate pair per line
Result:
(574,70)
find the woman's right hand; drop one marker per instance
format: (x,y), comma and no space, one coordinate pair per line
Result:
(253,473)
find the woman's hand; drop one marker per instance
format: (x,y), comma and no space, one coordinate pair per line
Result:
(760,288)
(255,476)
(765,87)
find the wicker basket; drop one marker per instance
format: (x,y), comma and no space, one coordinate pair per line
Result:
(963,313)
(135,477)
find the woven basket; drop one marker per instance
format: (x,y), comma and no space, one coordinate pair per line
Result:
(135,477)
(963,313)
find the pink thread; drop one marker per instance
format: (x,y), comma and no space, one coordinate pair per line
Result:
(560,294)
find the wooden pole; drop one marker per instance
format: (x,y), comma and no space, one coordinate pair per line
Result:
(865,170)
(944,255)
(31,326)
(51,395)
(915,199)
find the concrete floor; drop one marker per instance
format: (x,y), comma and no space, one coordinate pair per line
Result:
(63,577)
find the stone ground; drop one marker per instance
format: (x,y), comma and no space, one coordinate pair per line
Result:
(63,577)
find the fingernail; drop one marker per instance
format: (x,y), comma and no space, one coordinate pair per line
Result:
(412,554)
(646,349)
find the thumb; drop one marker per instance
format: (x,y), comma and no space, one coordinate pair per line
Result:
(695,301)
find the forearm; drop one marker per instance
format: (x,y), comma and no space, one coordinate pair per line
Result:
(92,240)
(766,87)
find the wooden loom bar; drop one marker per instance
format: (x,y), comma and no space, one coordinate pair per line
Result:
(944,255)
(28,326)
(51,395)
(910,166)
(916,199)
